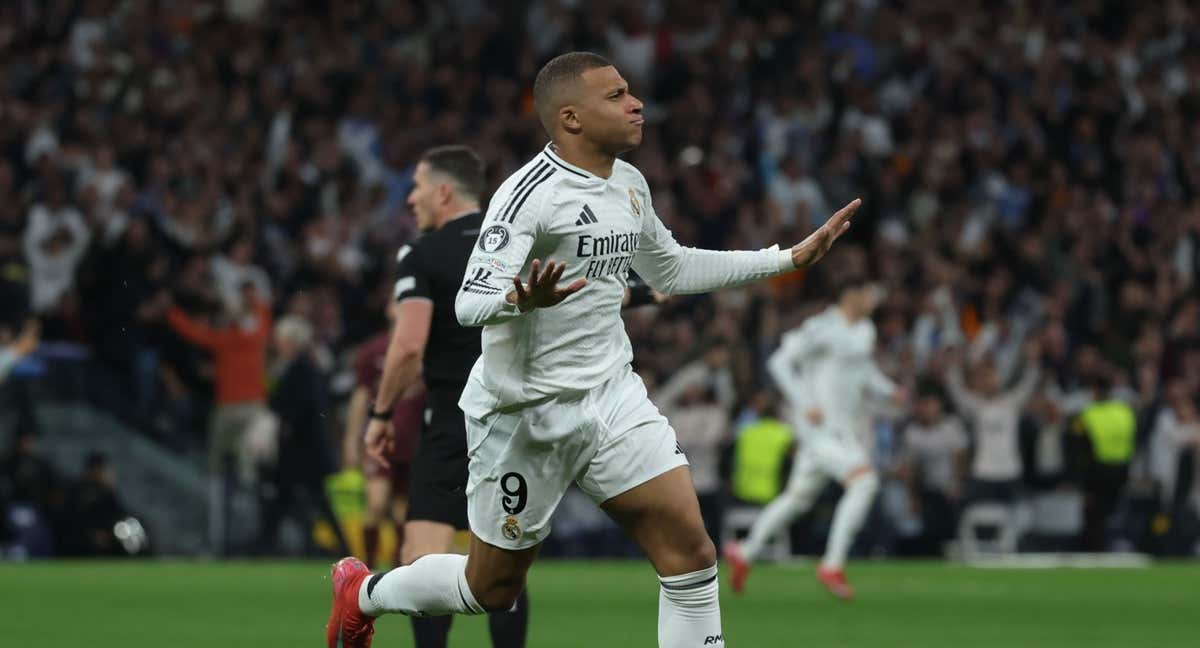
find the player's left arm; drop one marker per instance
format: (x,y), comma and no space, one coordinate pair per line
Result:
(675,269)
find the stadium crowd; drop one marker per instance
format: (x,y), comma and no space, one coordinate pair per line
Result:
(175,176)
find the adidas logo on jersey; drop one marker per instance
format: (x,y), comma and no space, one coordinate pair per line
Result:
(478,283)
(586,217)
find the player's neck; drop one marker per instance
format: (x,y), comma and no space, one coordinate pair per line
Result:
(594,161)
(848,313)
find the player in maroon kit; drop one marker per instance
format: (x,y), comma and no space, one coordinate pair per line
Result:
(387,486)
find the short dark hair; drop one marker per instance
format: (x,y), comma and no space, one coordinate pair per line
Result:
(850,282)
(556,74)
(461,164)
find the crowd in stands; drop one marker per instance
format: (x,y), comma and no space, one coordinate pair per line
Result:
(176,177)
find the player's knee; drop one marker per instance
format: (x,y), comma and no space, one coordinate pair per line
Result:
(498,594)
(697,553)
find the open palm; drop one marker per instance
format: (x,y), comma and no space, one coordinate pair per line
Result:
(811,249)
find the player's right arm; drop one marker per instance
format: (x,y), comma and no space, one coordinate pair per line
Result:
(674,269)
(492,291)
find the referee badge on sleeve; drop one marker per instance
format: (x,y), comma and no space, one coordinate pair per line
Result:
(493,239)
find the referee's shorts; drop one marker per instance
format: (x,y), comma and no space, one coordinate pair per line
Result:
(438,477)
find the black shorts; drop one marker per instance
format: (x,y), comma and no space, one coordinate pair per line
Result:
(438,477)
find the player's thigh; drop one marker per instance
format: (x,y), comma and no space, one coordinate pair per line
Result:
(807,477)
(496,575)
(663,516)
(842,457)
(424,537)
(636,445)
(520,466)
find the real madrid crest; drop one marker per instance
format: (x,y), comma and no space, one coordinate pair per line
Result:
(634,204)
(511,529)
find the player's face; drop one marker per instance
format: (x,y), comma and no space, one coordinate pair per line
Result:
(929,409)
(989,381)
(423,198)
(608,114)
(864,300)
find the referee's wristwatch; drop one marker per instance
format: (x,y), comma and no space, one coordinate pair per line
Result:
(380,416)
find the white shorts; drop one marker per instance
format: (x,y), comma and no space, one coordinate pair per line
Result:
(607,441)
(830,453)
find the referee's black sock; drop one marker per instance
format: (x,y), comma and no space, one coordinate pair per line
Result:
(431,632)
(508,629)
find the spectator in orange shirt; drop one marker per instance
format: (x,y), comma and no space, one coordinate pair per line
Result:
(241,428)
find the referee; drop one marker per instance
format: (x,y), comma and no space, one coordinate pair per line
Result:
(426,338)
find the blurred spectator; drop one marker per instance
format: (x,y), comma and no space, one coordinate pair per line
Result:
(993,415)
(31,496)
(1109,428)
(27,476)
(1176,434)
(125,291)
(239,349)
(300,399)
(934,465)
(233,271)
(12,351)
(697,401)
(761,451)
(1174,467)
(93,510)
(56,239)
(387,486)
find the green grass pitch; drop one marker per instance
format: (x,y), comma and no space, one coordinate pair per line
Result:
(612,605)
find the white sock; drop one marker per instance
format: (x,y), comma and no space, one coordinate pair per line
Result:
(434,585)
(848,519)
(689,612)
(778,515)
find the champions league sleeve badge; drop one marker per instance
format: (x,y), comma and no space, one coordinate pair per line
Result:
(493,239)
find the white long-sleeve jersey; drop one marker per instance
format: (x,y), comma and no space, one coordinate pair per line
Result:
(826,363)
(600,227)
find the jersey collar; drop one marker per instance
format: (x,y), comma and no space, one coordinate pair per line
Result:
(579,172)
(464,214)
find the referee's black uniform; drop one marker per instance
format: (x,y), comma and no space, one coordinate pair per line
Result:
(432,267)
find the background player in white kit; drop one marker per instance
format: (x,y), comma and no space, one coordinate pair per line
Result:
(553,400)
(825,370)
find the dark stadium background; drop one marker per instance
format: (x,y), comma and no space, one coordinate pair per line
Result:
(1030,172)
